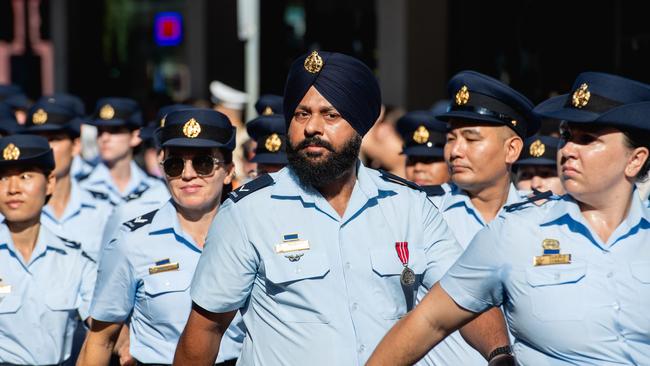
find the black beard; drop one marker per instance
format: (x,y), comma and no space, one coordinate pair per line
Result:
(322,173)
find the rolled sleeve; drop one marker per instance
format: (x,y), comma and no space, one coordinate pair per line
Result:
(474,282)
(116,285)
(442,249)
(228,266)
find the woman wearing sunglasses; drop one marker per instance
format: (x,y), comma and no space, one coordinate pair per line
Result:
(146,271)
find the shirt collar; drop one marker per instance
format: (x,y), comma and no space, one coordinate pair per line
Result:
(459,197)
(46,241)
(101,174)
(165,221)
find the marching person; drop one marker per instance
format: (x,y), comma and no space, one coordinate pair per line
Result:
(536,169)
(145,272)
(46,281)
(325,255)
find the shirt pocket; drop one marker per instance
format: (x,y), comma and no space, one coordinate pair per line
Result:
(167,296)
(556,291)
(10,304)
(296,287)
(641,272)
(390,295)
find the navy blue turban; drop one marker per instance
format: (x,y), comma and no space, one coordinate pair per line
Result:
(347,83)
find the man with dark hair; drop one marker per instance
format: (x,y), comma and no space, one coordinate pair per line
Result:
(325,255)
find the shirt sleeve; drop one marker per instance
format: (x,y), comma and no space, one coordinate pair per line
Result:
(474,282)
(88,279)
(441,248)
(116,285)
(228,266)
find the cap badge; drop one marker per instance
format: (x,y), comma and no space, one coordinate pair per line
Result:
(273,143)
(191,128)
(514,122)
(313,63)
(39,117)
(267,111)
(462,96)
(11,152)
(537,149)
(107,112)
(162,121)
(421,135)
(581,96)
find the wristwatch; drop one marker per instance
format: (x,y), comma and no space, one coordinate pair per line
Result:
(502,356)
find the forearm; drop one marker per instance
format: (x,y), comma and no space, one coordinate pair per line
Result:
(420,330)
(99,344)
(486,332)
(199,343)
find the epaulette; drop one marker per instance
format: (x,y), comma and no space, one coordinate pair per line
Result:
(137,193)
(435,190)
(101,196)
(81,176)
(536,196)
(390,177)
(70,243)
(244,190)
(140,221)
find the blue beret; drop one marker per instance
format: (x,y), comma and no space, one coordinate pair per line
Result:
(480,98)
(539,150)
(147,133)
(628,117)
(22,150)
(8,123)
(347,83)
(423,134)
(115,112)
(269,104)
(593,93)
(270,133)
(52,115)
(198,127)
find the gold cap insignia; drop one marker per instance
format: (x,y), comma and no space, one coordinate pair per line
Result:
(162,121)
(107,112)
(273,143)
(550,244)
(421,135)
(581,96)
(514,122)
(267,111)
(11,152)
(191,128)
(39,117)
(313,63)
(537,149)
(462,96)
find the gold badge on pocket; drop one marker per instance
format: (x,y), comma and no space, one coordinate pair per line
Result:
(164,266)
(551,254)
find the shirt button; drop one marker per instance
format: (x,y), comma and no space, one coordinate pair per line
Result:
(557,276)
(167,283)
(355,306)
(617,306)
(362,348)
(610,274)
(298,270)
(347,265)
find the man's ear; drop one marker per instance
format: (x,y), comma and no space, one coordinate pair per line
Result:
(51,183)
(513,146)
(135,138)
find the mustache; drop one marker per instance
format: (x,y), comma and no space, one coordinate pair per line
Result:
(314,141)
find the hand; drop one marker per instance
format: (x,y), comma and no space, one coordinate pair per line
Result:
(503,360)
(125,356)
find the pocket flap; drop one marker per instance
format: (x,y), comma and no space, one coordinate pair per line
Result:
(10,304)
(170,281)
(62,301)
(641,271)
(556,274)
(306,264)
(386,262)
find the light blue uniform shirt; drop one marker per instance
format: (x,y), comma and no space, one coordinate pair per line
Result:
(158,304)
(83,218)
(100,180)
(40,299)
(465,221)
(332,303)
(593,311)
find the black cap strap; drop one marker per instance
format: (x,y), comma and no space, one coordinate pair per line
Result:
(596,104)
(52,118)
(494,108)
(208,132)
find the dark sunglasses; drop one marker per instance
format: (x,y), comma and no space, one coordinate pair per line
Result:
(203,165)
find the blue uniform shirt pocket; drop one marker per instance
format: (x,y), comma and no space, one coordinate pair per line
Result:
(167,295)
(390,295)
(641,272)
(291,285)
(10,304)
(557,291)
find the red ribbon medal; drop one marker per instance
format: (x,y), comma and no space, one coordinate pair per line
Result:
(407,278)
